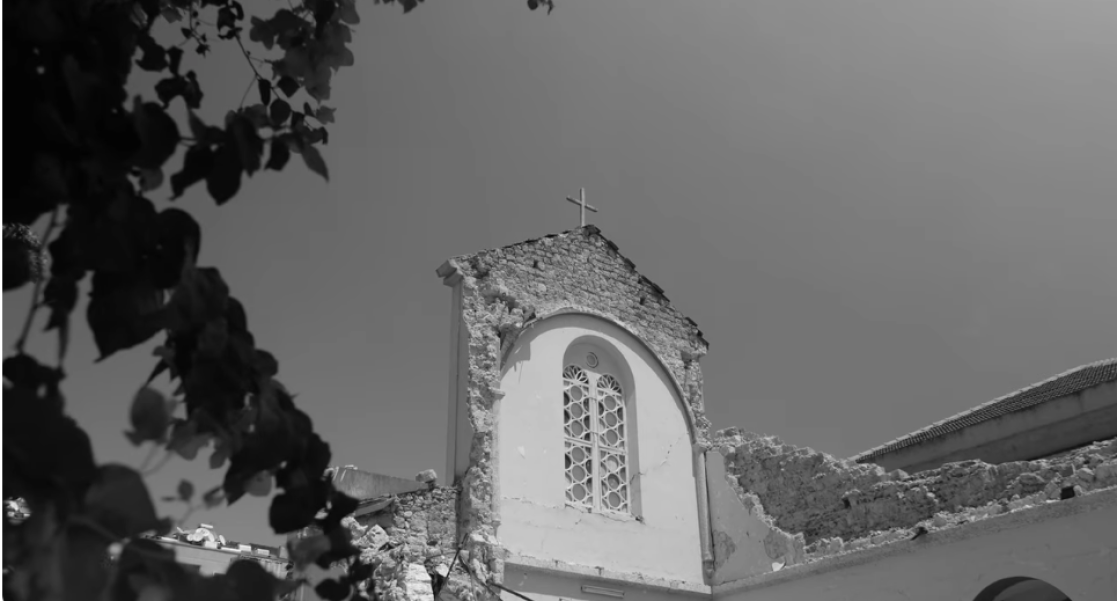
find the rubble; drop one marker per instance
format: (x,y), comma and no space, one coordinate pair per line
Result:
(839,506)
(411,541)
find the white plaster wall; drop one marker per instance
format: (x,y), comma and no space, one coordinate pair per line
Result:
(534,518)
(1076,553)
(738,533)
(540,586)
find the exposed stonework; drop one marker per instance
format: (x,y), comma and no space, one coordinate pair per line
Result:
(411,540)
(840,506)
(581,270)
(505,290)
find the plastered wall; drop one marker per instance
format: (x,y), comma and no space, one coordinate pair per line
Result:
(535,519)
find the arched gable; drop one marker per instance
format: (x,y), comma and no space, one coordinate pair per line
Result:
(662,366)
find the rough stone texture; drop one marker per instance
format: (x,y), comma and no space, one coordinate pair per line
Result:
(581,270)
(412,542)
(839,506)
(503,291)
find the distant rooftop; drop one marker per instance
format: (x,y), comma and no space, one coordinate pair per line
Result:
(1065,384)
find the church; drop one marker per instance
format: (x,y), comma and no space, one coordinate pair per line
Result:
(581,467)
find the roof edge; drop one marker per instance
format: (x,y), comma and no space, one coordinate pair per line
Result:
(887,447)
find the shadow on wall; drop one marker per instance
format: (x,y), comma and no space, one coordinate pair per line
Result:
(1021,588)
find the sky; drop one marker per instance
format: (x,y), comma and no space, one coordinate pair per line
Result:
(879,213)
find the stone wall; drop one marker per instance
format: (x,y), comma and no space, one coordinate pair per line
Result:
(412,542)
(504,290)
(842,506)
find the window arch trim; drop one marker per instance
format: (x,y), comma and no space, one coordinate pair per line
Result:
(676,387)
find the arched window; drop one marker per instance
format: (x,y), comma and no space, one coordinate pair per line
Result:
(596,440)
(1021,588)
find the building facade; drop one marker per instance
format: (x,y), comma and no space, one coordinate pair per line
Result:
(581,467)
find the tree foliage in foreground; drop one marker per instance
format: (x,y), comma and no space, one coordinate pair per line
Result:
(81,155)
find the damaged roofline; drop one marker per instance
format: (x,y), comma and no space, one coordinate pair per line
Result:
(1094,501)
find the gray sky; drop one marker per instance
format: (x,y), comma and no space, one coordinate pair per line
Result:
(880,213)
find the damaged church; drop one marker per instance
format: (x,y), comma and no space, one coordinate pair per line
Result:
(581,467)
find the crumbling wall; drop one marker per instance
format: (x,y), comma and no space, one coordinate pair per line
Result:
(413,544)
(503,290)
(840,506)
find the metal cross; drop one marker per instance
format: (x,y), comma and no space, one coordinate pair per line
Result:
(582,206)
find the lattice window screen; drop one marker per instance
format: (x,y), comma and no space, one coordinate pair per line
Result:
(596,441)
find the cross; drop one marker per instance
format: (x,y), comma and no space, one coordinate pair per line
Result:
(582,206)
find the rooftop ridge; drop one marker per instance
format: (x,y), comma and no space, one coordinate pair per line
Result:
(1106,371)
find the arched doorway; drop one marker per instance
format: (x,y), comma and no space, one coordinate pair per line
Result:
(1021,588)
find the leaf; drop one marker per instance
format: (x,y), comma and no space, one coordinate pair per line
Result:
(306,550)
(83,571)
(324,114)
(251,582)
(315,162)
(201,296)
(279,111)
(198,128)
(170,88)
(259,485)
(174,59)
(223,180)
(193,92)
(248,143)
(196,166)
(185,490)
(150,179)
(179,240)
(39,439)
(347,12)
(123,314)
(332,590)
(292,510)
(187,441)
(154,56)
(171,14)
(264,86)
(119,502)
(257,116)
(262,31)
(280,154)
(61,296)
(155,592)
(266,364)
(150,416)
(220,454)
(288,85)
(158,133)
(214,497)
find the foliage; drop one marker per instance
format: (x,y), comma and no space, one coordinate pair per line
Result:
(87,155)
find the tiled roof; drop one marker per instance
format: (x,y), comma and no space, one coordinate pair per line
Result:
(1064,384)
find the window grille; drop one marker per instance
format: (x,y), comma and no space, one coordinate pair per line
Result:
(596,441)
